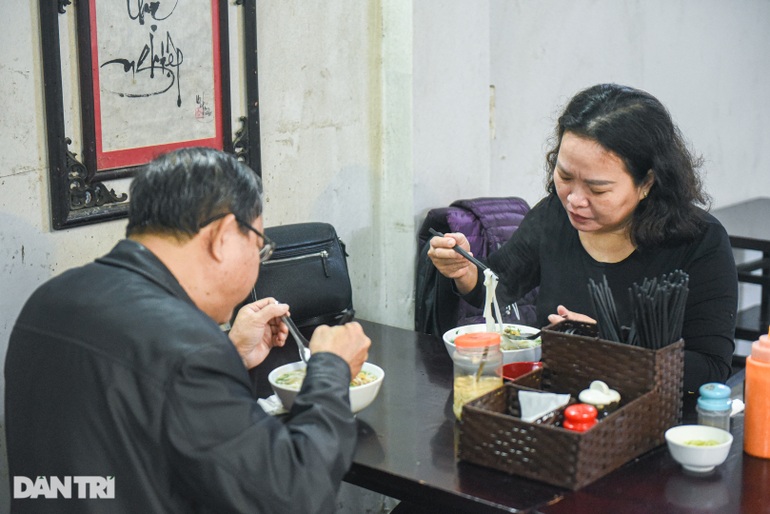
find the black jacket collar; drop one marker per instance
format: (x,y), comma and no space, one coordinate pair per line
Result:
(134,256)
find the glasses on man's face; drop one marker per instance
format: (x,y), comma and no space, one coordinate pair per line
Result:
(268,246)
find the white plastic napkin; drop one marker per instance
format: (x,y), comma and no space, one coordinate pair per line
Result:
(535,404)
(272,405)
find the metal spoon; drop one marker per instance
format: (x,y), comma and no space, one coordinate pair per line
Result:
(302,342)
(537,334)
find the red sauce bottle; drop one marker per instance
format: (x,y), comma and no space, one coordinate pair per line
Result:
(579,417)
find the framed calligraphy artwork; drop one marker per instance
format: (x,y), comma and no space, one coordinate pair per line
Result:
(152,76)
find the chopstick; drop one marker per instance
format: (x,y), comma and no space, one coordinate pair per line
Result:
(658,307)
(462,252)
(604,306)
(657,310)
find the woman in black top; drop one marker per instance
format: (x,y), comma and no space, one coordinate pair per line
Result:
(622,204)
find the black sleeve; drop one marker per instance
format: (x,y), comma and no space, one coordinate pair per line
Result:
(709,324)
(236,457)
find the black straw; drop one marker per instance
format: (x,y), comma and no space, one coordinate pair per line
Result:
(657,310)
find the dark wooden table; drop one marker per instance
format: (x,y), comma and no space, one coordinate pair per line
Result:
(406,449)
(748,225)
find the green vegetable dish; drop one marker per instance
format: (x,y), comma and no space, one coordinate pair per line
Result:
(701,442)
(513,340)
(293,379)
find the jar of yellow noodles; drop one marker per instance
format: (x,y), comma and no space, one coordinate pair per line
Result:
(478,364)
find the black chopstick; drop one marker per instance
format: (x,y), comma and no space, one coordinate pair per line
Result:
(462,252)
(657,307)
(606,311)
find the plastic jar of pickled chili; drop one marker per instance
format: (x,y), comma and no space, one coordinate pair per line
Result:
(478,364)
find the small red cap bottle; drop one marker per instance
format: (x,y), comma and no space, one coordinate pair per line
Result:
(579,417)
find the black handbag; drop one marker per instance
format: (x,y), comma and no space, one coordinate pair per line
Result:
(309,271)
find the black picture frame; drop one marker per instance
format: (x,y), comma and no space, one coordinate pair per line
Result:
(78,193)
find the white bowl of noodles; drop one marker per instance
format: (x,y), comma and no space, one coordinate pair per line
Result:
(514,348)
(286,382)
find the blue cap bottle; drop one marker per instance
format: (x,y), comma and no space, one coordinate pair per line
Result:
(714,405)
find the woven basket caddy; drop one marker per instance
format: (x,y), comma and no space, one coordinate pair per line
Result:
(649,382)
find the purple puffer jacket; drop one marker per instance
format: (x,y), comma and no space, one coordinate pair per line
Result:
(488,223)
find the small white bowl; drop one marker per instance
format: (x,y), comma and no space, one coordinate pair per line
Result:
(532,354)
(360,396)
(695,458)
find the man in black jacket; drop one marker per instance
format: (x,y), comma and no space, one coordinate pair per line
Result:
(124,395)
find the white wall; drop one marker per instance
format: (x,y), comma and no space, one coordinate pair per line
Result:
(373,112)
(335,89)
(451,99)
(706,60)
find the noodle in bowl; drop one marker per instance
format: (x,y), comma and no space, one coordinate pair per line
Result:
(286,381)
(531,351)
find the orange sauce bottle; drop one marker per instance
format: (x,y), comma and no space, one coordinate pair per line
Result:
(756,437)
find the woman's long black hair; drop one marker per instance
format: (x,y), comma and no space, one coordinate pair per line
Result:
(636,127)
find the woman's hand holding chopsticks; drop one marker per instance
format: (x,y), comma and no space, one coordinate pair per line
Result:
(450,263)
